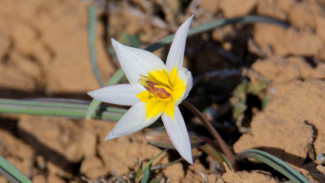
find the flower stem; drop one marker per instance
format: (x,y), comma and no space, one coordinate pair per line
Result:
(227,152)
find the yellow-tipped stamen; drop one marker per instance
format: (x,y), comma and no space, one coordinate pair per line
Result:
(155,89)
(162,90)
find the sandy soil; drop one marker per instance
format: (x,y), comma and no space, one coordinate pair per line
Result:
(44,53)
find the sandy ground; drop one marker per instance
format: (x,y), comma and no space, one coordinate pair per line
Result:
(44,53)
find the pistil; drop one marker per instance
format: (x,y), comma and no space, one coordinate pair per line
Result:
(156,89)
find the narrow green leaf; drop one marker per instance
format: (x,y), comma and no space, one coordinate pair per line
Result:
(240,92)
(155,180)
(12,173)
(95,103)
(162,140)
(167,164)
(92,108)
(255,87)
(39,103)
(117,77)
(9,106)
(239,108)
(130,40)
(273,162)
(216,155)
(215,24)
(146,175)
(146,169)
(138,172)
(265,101)
(205,180)
(119,178)
(92,42)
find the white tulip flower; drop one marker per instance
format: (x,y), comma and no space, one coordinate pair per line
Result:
(155,90)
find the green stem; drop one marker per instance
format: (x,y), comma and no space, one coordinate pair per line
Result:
(211,129)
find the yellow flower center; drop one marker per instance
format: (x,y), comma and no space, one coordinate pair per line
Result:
(162,90)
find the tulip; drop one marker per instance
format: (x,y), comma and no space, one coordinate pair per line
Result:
(155,90)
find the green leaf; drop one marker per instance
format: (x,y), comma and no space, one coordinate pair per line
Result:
(167,164)
(215,24)
(92,108)
(239,108)
(119,178)
(216,155)
(130,40)
(12,173)
(240,92)
(256,87)
(146,175)
(61,109)
(155,180)
(162,140)
(92,42)
(146,168)
(273,162)
(265,101)
(138,172)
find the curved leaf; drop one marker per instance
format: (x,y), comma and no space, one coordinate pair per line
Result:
(273,162)
(92,42)
(12,173)
(70,110)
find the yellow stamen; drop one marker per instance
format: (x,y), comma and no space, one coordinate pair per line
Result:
(162,90)
(155,88)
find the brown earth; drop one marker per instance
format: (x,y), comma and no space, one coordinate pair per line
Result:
(44,53)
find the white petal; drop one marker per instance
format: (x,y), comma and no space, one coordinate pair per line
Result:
(176,52)
(186,76)
(135,61)
(177,132)
(132,121)
(122,94)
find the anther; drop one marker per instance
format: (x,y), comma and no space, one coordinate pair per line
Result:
(154,88)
